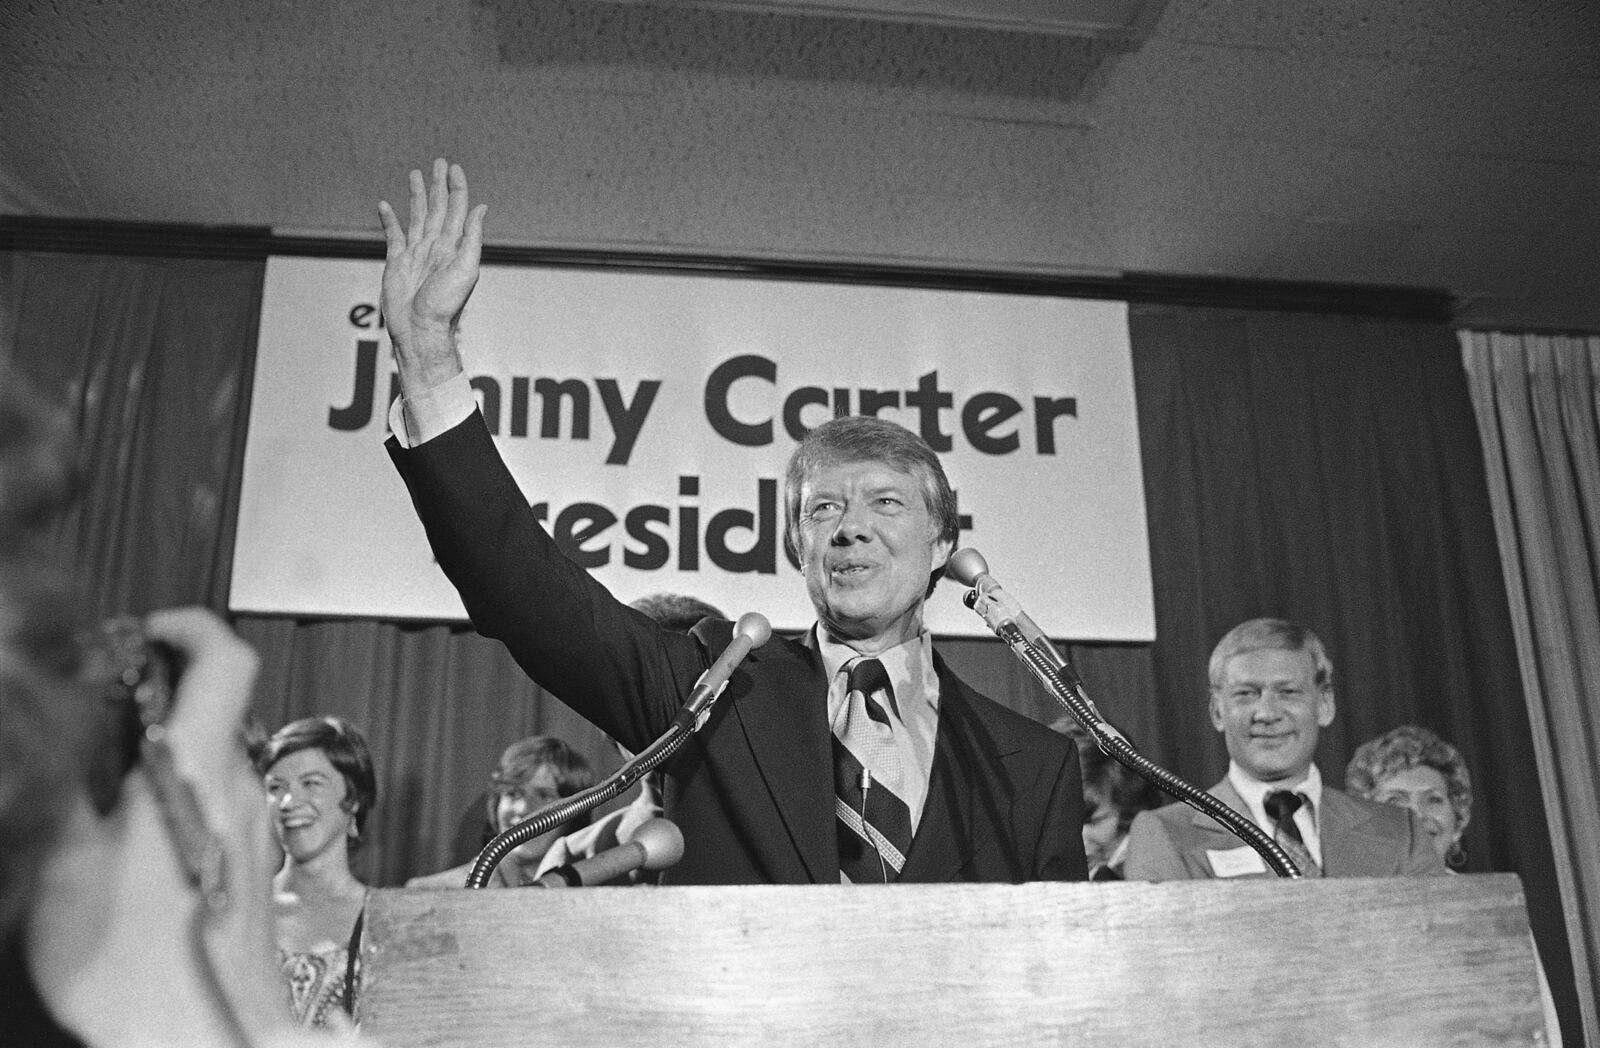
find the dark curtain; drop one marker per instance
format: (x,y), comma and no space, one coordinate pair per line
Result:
(1322,468)
(151,358)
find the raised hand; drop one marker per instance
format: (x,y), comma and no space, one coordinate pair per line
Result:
(429,271)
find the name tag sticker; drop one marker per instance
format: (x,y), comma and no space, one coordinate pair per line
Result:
(1235,862)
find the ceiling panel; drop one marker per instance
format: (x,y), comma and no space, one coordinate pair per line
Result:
(1442,143)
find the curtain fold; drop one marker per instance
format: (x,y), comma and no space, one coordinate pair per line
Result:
(1537,400)
(152,358)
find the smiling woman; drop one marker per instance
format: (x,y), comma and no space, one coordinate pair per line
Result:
(320,787)
(1413,768)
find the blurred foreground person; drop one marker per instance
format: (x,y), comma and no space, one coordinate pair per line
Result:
(134,851)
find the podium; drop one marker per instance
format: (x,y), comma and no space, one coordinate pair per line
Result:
(1403,962)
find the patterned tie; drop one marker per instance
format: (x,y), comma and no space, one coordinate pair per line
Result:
(874,828)
(1281,805)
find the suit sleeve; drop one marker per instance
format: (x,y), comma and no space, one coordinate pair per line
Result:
(611,664)
(1060,852)
(1152,853)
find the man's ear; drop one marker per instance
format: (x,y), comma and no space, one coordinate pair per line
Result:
(1214,707)
(1325,708)
(942,548)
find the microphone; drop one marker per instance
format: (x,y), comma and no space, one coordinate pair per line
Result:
(655,845)
(751,631)
(998,607)
(1007,619)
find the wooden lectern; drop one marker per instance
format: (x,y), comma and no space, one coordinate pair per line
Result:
(1408,963)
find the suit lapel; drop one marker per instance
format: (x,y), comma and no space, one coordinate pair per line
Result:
(959,818)
(785,722)
(1217,836)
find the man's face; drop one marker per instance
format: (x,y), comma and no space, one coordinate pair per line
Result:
(867,546)
(1269,709)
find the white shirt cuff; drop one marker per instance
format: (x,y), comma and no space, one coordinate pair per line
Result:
(418,419)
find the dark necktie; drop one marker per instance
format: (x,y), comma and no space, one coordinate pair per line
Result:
(874,825)
(1281,805)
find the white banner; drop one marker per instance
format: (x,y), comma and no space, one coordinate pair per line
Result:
(648,418)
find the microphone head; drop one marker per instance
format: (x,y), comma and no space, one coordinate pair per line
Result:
(754,626)
(661,840)
(966,565)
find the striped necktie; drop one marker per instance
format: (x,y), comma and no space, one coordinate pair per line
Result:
(1281,805)
(874,824)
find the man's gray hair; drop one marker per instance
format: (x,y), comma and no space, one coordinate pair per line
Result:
(1271,635)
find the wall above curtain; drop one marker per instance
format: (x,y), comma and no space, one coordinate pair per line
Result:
(1423,143)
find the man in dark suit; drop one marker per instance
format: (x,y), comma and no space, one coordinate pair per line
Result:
(1271,693)
(974,791)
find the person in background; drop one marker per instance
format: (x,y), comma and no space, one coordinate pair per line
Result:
(320,788)
(677,612)
(532,773)
(1112,797)
(674,611)
(1271,695)
(1412,767)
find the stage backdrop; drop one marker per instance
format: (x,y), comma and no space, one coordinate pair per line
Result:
(648,418)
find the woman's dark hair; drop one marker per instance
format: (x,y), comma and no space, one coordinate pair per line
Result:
(345,749)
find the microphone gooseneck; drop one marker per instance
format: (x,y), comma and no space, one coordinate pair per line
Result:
(1054,670)
(750,632)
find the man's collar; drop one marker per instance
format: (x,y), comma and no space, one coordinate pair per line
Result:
(1254,792)
(896,660)
(909,663)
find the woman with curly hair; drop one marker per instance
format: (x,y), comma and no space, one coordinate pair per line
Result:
(1411,767)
